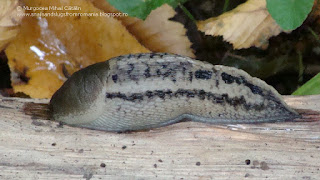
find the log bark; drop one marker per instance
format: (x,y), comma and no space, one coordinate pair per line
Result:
(32,148)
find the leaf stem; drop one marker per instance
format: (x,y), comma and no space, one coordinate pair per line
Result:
(300,67)
(225,6)
(185,10)
(314,34)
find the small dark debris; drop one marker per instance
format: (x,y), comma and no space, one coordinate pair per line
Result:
(80,151)
(103,165)
(198,163)
(248,162)
(37,123)
(124,147)
(88,176)
(247,175)
(60,125)
(5,107)
(264,166)
(155,165)
(160,160)
(34,117)
(255,164)
(53,144)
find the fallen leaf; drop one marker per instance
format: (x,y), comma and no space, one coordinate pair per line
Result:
(249,24)
(141,9)
(289,14)
(9,21)
(49,49)
(157,32)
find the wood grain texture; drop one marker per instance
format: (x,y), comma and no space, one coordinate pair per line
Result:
(41,149)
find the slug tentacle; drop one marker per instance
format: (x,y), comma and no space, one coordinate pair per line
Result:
(144,91)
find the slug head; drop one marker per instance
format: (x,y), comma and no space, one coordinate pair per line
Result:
(77,101)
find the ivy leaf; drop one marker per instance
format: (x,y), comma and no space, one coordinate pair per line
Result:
(309,88)
(289,14)
(141,8)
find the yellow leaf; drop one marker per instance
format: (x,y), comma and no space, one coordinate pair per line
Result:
(157,32)
(250,24)
(9,21)
(48,49)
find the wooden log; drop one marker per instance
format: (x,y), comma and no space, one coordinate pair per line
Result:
(33,148)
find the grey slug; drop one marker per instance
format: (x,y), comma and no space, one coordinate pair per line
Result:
(144,91)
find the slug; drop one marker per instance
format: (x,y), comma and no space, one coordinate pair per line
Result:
(144,91)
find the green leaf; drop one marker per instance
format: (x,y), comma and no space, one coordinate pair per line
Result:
(141,8)
(289,14)
(309,88)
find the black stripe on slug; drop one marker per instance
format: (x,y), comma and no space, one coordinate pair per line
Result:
(149,94)
(229,79)
(160,94)
(133,97)
(190,93)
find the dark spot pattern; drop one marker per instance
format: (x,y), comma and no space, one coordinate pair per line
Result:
(183,65)
(147,72)
(203,74)
(115,78)
(190,76)
(163,66)
(164,70)
(158,72)
(142,71)
(229,79)
(131,67)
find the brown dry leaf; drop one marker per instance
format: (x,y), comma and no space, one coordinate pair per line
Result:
(49,49)
(250,24)
(157,32)
(9,21)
